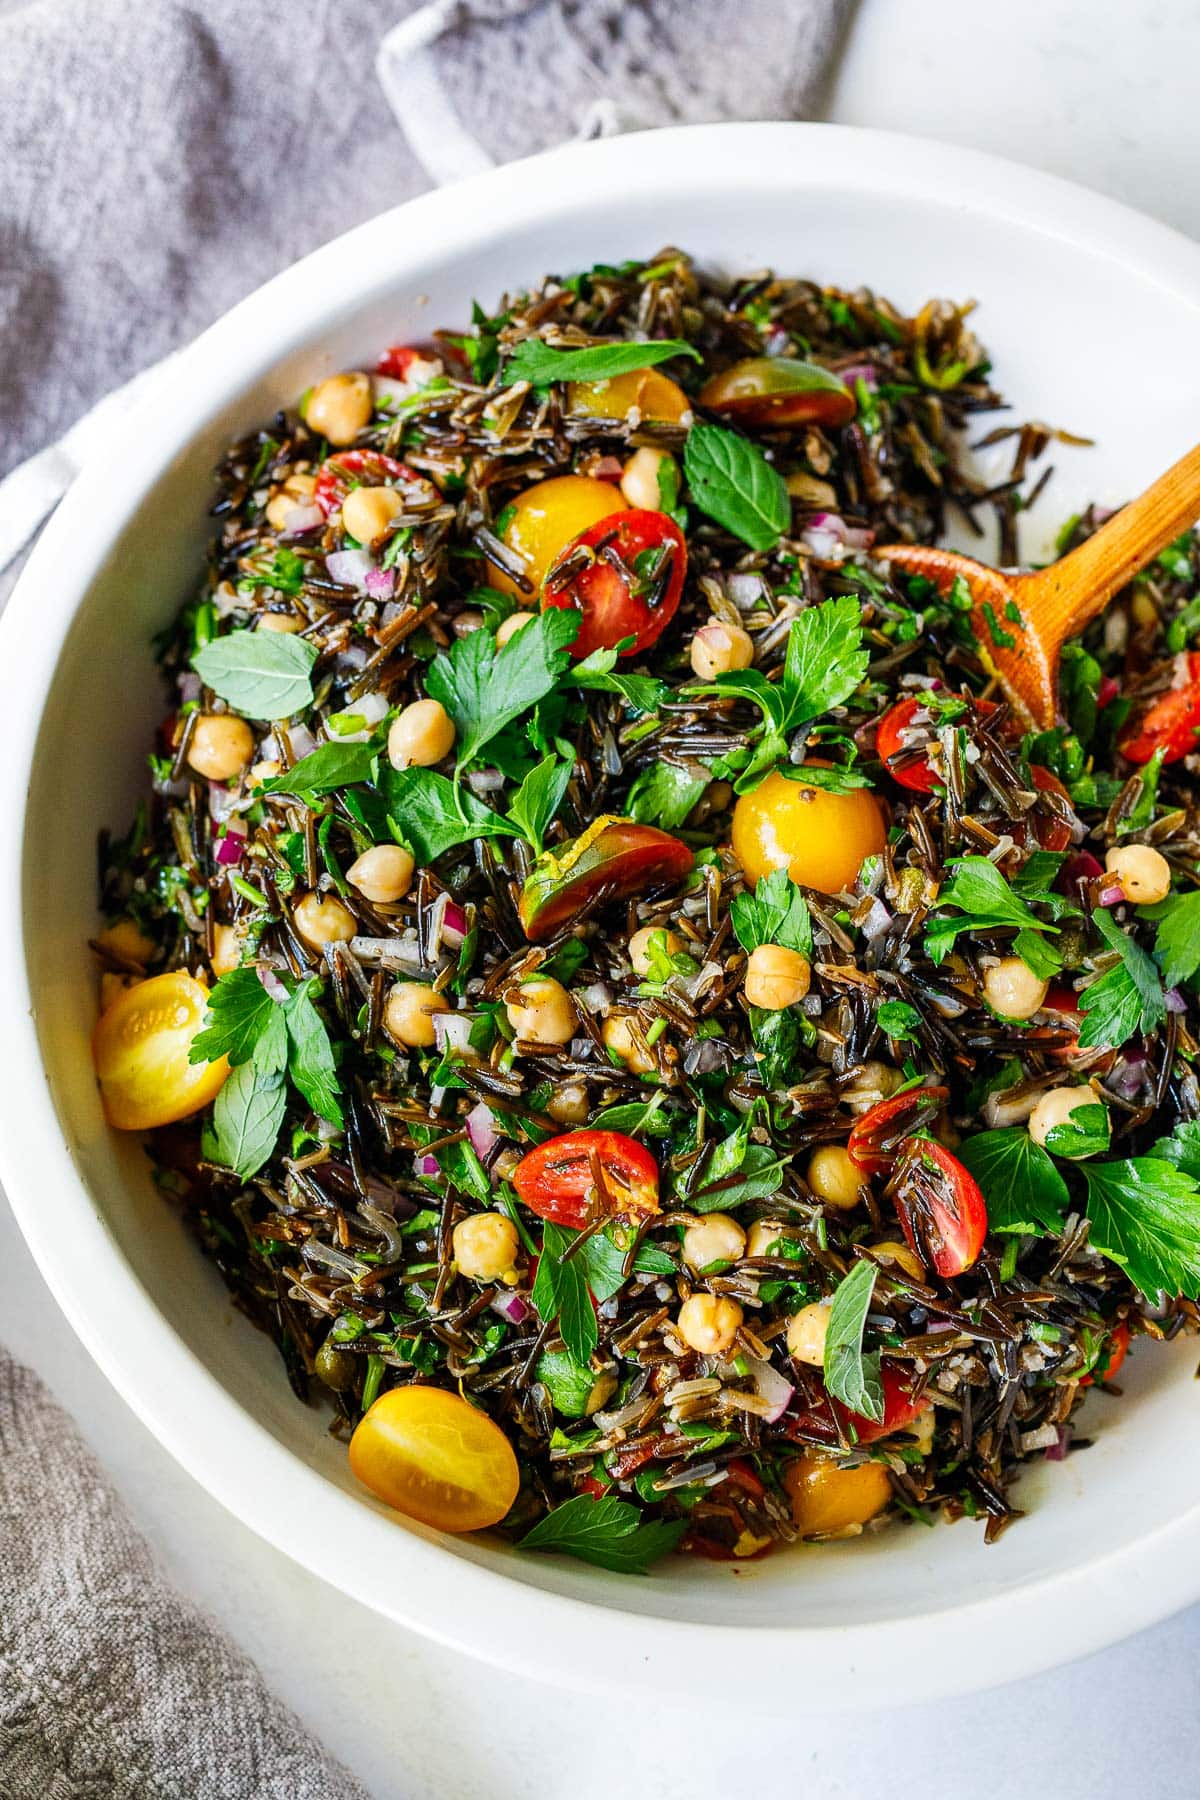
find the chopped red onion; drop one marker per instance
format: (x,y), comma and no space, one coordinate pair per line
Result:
(451,1030)
(221,801)
(770,1386)
(745,590)
(1057,1451)
(596,997)
(607,468)
(1107,691)
(189,686)
(511,1307)
(272,984)
(349,568)
(454,925)
(300,520)
(231,846)
(485,781)
(481,1129)
(1112,895)
(826,528)
(379,583)
(424,1164)
(1083,866)
(877,921)
(1175,1001)
(301,740)
(867,373)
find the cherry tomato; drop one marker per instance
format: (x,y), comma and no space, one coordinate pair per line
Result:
(823,1417)
(896,723)
(397,360)
(829,1496)
(436,1458)
(140,1049)
(940,1206)
(1171,723)
(779,390)
(635,596)
(621,1464)
(739,1472)
(356,468)
(613,857)
(544,519)
(556,1179)
(1049,831)
(821,839)
(1113,1355)
(877,1136)
(655,395)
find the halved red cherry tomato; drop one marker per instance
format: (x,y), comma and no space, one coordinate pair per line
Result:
(1171,723)
(614,857)
(779,390)
(1114,1354)
(821,1419)
(876,1138)
(356,468)
(621,1464)
(1049,831)
(920,777)
(625,575)
(940,1206)
(557,1179)
(397,360)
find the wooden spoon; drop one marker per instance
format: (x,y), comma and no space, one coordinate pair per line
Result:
(1023,621)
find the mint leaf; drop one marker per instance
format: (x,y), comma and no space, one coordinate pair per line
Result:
(1024,1191)
(560,1292)
(538,798)
(606,1532)
(987,902)
(264,674)
(568,1383)
(636,1118)
(664,794)
(759,1170)
(776,913)
(851,1376)
(324,769)
(732,481)
(1177,939)
(540,364)
(310,1062)
(432,814)
(484,688)
(1127,1000)
(247,1115)
(1144,1214)
(603,1263)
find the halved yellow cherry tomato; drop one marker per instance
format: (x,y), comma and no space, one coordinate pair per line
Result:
(140,1049)
(545,519)
(828,1496)
(435,1458)
(821,839)
(656,397)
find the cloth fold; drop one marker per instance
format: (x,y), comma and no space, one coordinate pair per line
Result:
(159,159)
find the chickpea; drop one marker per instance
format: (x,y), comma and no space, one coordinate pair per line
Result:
(382,874)
(409,1011)
(708,1323)
(296,491)
(508,628)
(641,482)
(833,1177)
(228,944)
(776,977)
(422,733)
(627,1043)
(1142,609)
(485,1246)
(368,512)
(713,1238)
(1011,988)
(871,1083)
(717,648)
(1056,1107)
(900,1254)
(830,1498)
(806,1334)
(280,621)
(1144,874)
(340,406)
(639,947)
(544,1012)
(568,1105)
(763,1236)
(126,941)
(464,623)
(321,919)
(221,746)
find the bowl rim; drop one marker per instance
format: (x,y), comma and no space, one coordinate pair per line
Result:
(558,1638)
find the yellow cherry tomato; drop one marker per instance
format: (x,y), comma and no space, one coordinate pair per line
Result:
(822,839)
(436,1458)
(825,1496)
(140,1049)
(546,518)
(655,396)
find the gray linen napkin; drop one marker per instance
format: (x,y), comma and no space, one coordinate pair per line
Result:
(158,159)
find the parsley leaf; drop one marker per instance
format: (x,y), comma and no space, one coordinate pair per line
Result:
(776,913)
(539,363)
(484,688)
(636,1118)
(247,1115)
(264,674)
(569,1383)
(432,814)
(664,794)
(826,659)
(239,1011)
(1182,1148)
(1127,999)
(607,1532)
(327,767)
(641,693)
(987,902)
(310,1062)
(898,1019)
(560,1292)
(538,799)
(759,1169)
(1085,1133)
(1024,1191)
(851,1376)
(1145,1215)
(1177,939)
(603,1264)
(732,481)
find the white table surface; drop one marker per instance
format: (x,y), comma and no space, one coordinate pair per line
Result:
(1103,91)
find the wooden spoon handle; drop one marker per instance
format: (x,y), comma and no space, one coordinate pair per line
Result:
(1069,594)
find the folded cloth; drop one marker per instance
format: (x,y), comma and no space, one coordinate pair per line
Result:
(111,1685)
(159,159)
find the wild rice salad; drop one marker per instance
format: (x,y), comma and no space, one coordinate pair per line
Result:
(609,980)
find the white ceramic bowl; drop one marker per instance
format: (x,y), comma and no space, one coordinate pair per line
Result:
(1093,315)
